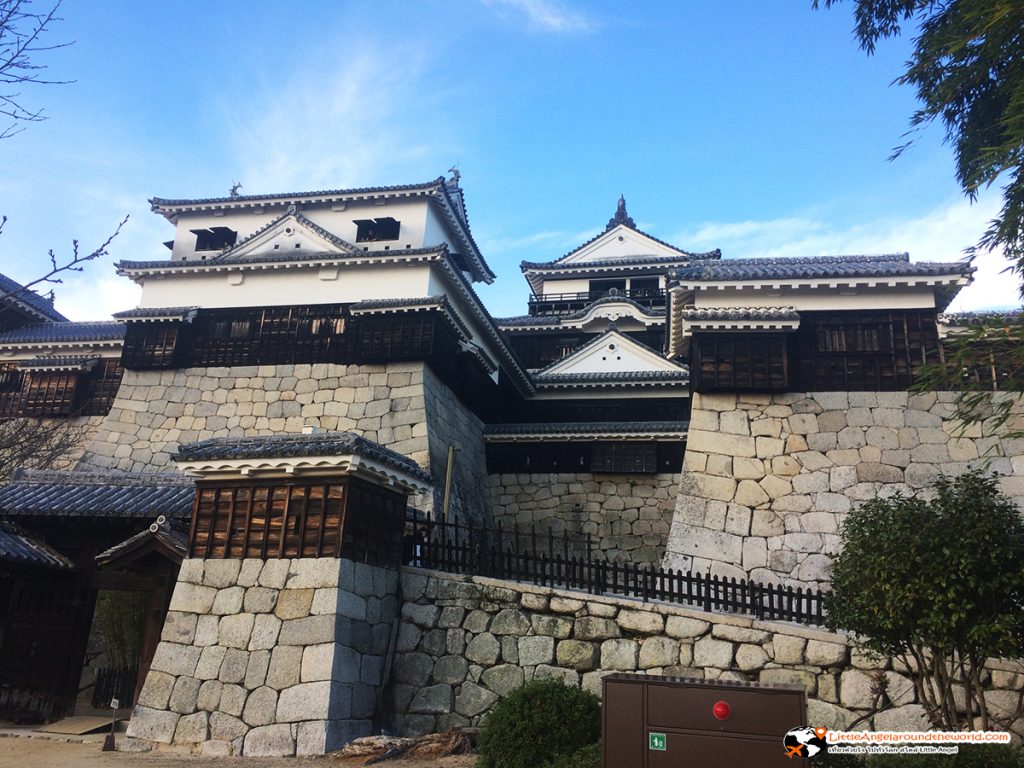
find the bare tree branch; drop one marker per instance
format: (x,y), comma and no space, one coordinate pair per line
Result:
(21,40)
(37,444)
(59,266)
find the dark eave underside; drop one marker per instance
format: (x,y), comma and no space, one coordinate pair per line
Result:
(611,428)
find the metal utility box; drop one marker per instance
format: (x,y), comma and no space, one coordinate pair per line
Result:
(673,722)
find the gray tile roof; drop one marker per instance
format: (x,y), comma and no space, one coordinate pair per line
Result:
(67,331)
(420,301)
(65,362)
(636,261)
(628,222)
(884,265)
(275,259)
(617,377)
(520,320)
(151,312)
(447,193)
(157,202)
(587,428)
(992,317)
(51,493)
(18,548)
(172,533)
(740,313)
(286,446)
(17,293)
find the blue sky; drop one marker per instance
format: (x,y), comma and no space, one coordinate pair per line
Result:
(758,128)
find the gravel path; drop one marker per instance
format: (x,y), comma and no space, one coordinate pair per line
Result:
(47,753)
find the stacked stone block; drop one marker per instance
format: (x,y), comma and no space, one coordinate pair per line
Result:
(268,657)
(402,406)
(465,642)
(627,516)
(768,479)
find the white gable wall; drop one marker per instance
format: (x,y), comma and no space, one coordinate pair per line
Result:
(337,219)
(612,353)
(619,243)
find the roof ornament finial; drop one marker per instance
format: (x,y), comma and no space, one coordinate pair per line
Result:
(621,217)
(234,189)
(456,175)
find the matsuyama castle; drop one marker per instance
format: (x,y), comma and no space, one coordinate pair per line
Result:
(303,366)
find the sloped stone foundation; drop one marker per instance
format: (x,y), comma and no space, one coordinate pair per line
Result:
(268,657)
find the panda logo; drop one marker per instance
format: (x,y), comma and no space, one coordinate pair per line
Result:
(805,741)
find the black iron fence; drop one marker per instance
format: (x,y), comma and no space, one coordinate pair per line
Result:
(549,559)
(115,683)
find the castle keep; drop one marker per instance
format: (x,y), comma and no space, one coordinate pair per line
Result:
(302,368)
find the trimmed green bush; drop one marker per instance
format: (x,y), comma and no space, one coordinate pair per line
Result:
(541,722)
(587,757)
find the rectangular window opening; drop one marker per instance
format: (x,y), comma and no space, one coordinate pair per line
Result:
(372,230)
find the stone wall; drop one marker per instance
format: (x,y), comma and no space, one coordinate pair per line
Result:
(465,642)
(628,516)
(402,406)
(268,657)
(768,479)
(450,423)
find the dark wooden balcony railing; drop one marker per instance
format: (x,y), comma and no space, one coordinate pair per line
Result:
(567,303)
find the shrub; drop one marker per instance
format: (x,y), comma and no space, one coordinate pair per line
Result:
(586,757)
(541,722)
(936,580)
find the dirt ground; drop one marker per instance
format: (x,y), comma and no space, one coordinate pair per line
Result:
(46,753)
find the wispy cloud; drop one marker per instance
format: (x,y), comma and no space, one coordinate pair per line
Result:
(546,15)
(939,235)
(345,120)
(542,242)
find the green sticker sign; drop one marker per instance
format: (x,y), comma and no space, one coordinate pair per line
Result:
(656,741)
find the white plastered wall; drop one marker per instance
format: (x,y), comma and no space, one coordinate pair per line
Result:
(292,286)
(819,299)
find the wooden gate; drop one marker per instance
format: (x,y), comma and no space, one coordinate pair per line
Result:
(38,648)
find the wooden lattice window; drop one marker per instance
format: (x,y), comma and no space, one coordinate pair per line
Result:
(266,336)
(99,387)
(868,350)
(634,456)
(11,386)
(51,393)
(628,457)
(151,345)
(739,362)
(402,337)
(278,518)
